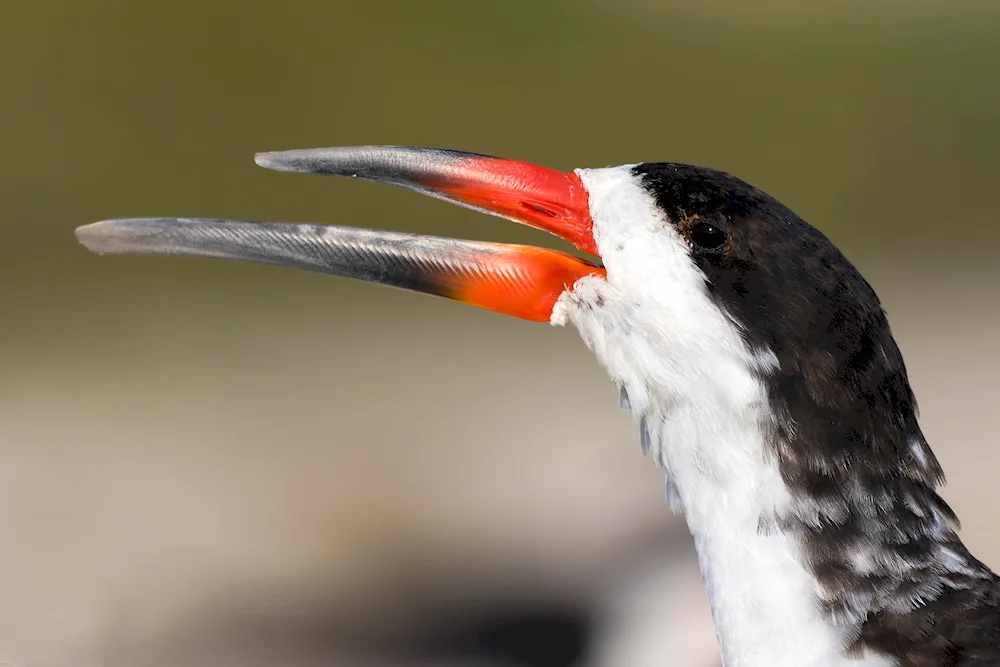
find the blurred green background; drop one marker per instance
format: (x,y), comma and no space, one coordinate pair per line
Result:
(191,444)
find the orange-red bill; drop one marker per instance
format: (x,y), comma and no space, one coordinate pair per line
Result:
(554,201)
(522,281)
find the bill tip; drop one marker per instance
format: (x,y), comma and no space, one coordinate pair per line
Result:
(121,236)
(270,160)
(305,161)
(91,236)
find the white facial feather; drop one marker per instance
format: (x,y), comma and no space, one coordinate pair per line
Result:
(691,380)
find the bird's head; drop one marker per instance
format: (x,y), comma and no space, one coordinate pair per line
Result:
(707,290)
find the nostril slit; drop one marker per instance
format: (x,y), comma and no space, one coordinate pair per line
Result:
(538,208)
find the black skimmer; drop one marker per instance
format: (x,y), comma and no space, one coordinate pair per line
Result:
(757,361)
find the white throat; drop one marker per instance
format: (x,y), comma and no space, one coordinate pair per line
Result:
(692,384)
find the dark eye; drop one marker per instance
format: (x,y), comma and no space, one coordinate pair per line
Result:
(707,236)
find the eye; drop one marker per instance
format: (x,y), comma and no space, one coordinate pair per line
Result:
(707,236)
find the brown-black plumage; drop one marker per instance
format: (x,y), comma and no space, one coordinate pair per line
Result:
(847,437)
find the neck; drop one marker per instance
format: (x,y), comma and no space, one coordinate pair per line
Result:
(763,593)
(807,563)
(806,580)
(711,438)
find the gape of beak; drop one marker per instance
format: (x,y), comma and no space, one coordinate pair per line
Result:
(543,198)
(522,281)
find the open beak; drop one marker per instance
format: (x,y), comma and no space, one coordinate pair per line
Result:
(522,281)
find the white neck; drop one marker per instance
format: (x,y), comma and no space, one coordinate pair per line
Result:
(692,384)
(763,600)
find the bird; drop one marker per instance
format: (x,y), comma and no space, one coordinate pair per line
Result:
(756,360)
